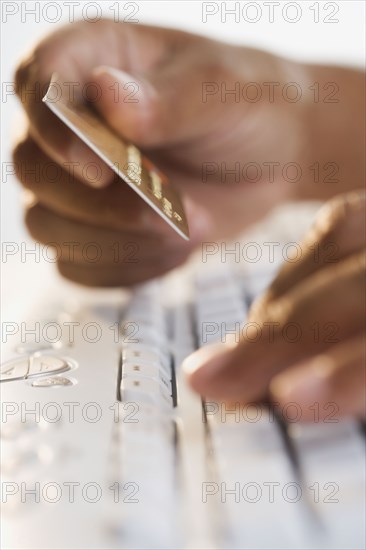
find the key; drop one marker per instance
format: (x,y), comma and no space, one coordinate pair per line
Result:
(145,387)
(29,367)
(146,354)
(154,371)
(332,460)
(36,348)
(253,469)
(151,337)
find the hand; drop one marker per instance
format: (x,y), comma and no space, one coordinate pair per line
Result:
(178,130)
(319,304)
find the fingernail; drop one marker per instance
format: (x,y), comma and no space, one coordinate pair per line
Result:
(203,365)
(28,198)
(303,383)
(129,89)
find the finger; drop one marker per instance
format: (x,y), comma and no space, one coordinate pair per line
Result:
(326,308)
(59,53)
(339,231)
(102,259)
(111,276)
(115,207)
(80,243)
(160,107)
(73,52)
(336,377)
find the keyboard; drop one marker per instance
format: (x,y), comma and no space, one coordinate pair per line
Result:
(104,445)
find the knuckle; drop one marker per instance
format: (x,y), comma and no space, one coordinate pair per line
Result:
(341,215)
(333,213)
(21,76)
(20,160)
(25,73)
(33,222)
(19,152)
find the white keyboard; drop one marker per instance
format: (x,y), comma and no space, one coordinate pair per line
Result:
(105,446)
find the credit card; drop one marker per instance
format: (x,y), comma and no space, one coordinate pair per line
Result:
(120,155)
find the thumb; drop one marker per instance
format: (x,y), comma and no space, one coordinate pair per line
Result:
(149,110)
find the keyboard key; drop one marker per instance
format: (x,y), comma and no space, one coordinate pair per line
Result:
(29,367)
(147,354)
(150,370)
(332,460)
(146,387)
(253,469)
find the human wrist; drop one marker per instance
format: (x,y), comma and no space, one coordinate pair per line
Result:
(335,144)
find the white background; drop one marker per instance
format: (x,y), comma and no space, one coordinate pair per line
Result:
(342,42)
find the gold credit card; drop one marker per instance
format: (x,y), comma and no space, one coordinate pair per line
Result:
(120,155)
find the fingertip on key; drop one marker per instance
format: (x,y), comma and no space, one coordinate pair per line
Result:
(202,366)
